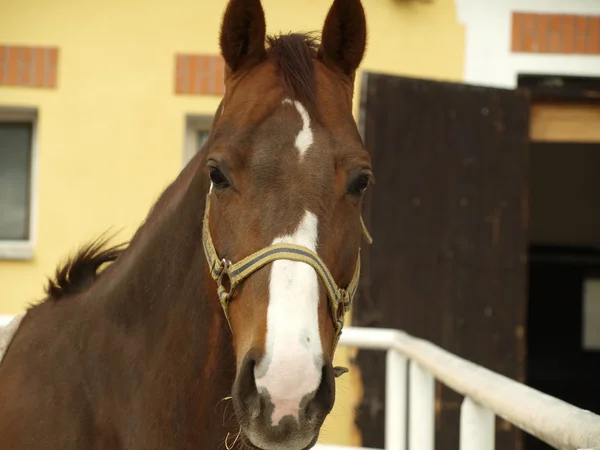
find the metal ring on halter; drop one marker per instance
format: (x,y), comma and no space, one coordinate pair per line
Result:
(225,294)
(224,271)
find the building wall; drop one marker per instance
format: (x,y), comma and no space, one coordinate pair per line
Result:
(490,58)
(111,133)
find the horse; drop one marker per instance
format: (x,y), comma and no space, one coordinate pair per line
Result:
(233,290)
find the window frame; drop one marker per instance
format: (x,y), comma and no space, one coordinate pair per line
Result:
(24,249)
(193,125)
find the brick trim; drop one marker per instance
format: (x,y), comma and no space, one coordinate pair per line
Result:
(28,66)
(555,33)
(197,74)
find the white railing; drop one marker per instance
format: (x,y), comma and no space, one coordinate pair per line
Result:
(4,320)
(413,365)
(411,369)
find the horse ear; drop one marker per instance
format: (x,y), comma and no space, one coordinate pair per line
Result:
(344,36)
(243,34)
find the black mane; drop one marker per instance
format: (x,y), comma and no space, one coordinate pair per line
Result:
(81,270)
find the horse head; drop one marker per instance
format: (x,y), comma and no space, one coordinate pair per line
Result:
(285,171)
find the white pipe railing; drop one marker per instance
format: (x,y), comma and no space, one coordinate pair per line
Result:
(410,404)
(477,426)
(5,319)
(486,394)
(421,408)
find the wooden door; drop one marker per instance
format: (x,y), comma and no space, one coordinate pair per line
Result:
(448,214)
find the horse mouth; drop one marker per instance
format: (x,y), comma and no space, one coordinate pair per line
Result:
(283,446)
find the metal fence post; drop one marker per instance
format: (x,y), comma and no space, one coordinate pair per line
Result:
(421,411)
(395,401)
(477,427)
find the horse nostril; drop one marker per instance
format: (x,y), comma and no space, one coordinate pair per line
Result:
(324,398)
(246,390)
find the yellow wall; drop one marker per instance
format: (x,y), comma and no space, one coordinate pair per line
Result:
(111,136)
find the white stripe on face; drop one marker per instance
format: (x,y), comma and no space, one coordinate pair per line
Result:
(291,366)
(304,138)
(290,369)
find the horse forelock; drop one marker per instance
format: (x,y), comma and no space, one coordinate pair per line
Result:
(293,55)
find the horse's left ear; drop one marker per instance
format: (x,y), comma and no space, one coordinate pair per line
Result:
(344,36)
(243,34)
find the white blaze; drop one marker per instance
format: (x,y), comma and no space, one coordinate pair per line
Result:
(291,365)
(304,138)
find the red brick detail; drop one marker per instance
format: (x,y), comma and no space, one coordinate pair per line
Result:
(555,34)
(199,74)
(28,66)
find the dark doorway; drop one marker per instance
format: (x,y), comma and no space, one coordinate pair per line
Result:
(563,324)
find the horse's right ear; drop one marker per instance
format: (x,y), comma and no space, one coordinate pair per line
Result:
(243,33)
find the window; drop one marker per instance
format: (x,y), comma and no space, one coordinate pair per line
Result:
(201,138)
(591,314)
(17,143)
(196,134)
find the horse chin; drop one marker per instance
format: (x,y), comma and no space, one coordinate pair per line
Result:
(282,446)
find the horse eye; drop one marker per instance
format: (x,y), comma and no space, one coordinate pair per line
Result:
(358,185)
(218,179)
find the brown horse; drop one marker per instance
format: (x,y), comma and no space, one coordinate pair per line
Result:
(236,285)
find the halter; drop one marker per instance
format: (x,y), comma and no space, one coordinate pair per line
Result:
(221,270)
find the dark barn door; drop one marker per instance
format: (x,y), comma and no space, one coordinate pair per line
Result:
(448,214)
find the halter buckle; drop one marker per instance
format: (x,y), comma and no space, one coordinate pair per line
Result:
(225,272)
(345,300)
(342,304)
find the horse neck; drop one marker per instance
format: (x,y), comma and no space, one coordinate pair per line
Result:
(162,307)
